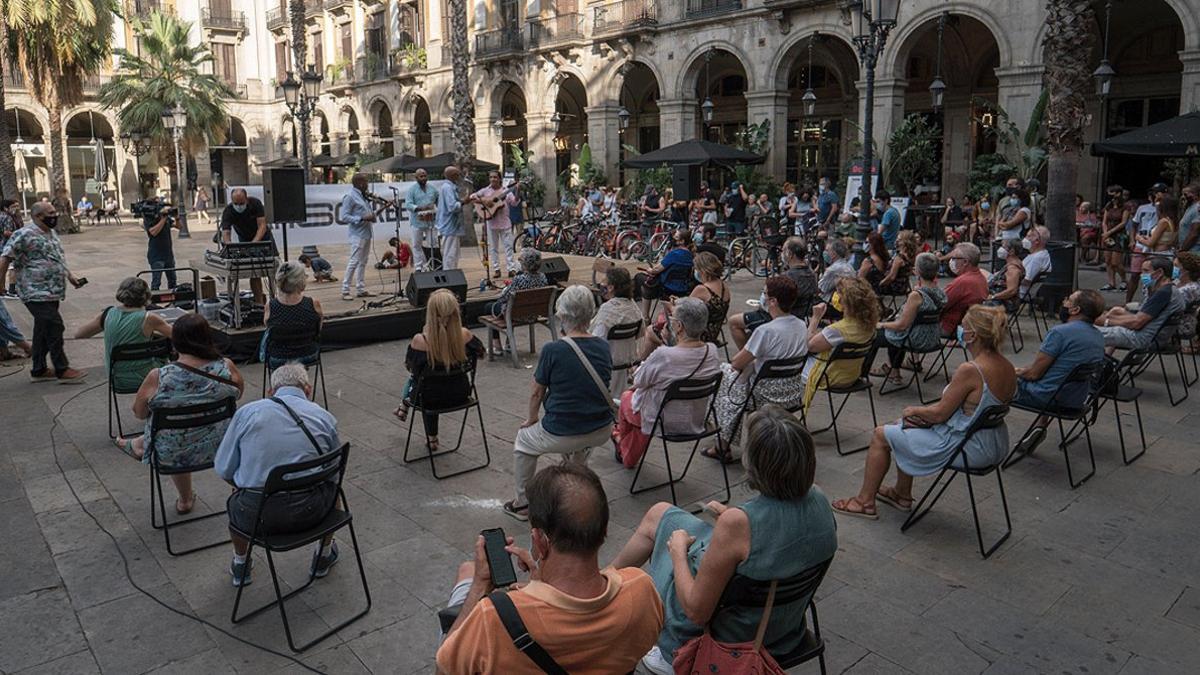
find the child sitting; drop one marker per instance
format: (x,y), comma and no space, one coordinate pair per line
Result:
(322,270)
(397,255)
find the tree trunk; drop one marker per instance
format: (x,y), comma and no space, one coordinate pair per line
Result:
(1068,49)
(8,167)
(1062,170)
(56,166)
(299,60)
(462,127)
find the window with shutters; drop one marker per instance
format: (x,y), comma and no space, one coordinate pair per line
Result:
(346,42)
(374,36)
(282,61)
(225,63)
(412,24)
(318,50)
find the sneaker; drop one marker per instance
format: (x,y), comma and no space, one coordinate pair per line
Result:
(321,564)
(347,297)
(240,571)
(1108,287)
(1123,287)
(71,376)
(1031,440)
(366,294)
(519,512)
(654,662)
(45,376)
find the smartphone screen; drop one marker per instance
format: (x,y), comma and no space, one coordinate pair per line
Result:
(499,560)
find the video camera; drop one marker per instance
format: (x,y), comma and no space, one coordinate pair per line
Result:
(153,208)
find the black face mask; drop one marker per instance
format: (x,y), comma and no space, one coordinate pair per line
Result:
(50,221)
(1010,191)
(1064,314)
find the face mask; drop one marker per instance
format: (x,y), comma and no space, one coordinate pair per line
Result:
(1014,201)
(762,301)
(1027,244)
(985,205)
(954,265)
(1002,253)
(959,334)
(822,189)
(826,257)
(1175,274)
(1147,281)
(696,276)
(698,238)
(50,221)
(1009,190)
(240,208)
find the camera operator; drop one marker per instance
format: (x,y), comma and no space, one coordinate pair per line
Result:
(158,218)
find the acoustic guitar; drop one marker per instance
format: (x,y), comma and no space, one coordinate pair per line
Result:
(487,207)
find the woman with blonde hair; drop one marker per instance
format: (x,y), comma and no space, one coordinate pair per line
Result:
(860,314)
(896,281)
(926,436)
(443,344)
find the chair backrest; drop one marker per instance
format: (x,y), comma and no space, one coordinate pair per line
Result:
(928,317)
(531,303)
(848,351)
(692,389)
(990,418)
(1084,373)
(158,348)
(777,369)
(305,474)
(743,591)
(292,337)
(187,417)
(625,331)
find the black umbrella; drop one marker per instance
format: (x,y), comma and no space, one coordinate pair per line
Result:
(389,165)
(281,163)
(1176,137)
(694,152)
(436,163)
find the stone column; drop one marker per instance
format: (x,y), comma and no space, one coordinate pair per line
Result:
(771,105)
(403,141)
(487,141)
(440,138)
(604,137)
(539,139)
(1189,86)
(1018,92)
(889,112)
(676,120)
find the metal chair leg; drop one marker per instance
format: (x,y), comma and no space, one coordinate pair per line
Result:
(1063,445)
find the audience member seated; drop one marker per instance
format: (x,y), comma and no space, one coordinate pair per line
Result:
(876,264)
(1123,329)
(1037,261)
(200,375)
(617,309)
(283,429)
(837,267)
(896,281)
(1006,283)
(395,256)
(1071,343)
(900,331)
(785,529)
(292,310)
(110,206)
(84,208)
(530,276)
(795,256)
(1187,281)
(706,241)
(127,323)
(442,344)
(926,436)
(689,356)
(710,289)
(590,621)
(783,337)
(860,314)
(579,412)
(321,269)
(970,286)
(670,277)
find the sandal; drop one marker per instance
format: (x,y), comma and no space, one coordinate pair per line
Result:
(401,412)
(842,507)
(722,457)
(179,505)
(432,443)
(125,445)
(894,500)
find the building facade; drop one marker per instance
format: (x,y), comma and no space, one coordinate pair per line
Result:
(548,76)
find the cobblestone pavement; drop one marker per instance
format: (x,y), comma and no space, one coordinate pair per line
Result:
(1102,579)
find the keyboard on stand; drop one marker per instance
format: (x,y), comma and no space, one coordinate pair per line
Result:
(235,262)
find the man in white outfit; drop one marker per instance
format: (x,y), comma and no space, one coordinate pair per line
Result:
(422,204)
(357,214)
(449,217)
(499,226)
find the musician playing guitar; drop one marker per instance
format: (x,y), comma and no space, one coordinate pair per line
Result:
(491,206)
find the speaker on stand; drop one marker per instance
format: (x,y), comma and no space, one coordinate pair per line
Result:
(284,199)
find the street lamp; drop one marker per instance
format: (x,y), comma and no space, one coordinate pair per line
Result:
(872,20)
(1104,74)
(706,108)
(937,88)
(810,97)
(174,120)
(623,116)
(301,96)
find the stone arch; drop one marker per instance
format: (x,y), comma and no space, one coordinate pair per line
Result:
(903,40)
(796,47)
(685,85)
(614,79)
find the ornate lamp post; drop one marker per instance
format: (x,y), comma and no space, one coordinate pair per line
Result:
(937,88)
(872,20)
(707,107)
(301,99)
(810,97)
(1104,74)
(174,120)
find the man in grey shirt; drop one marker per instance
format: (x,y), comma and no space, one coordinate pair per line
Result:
(837,261)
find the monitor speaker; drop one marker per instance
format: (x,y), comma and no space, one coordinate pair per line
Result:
(422,284)
(283,195)
(556,270)
(685,181)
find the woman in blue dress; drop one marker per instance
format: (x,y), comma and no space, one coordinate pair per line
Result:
(782,532)
(923,441)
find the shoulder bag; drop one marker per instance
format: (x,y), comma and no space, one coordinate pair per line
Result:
(587,365)
(521,638)
(705,654)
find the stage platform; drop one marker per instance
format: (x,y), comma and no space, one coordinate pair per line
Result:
(365,321)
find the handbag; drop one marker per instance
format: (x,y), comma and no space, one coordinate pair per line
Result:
(704,654)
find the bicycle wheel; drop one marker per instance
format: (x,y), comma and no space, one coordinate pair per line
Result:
(759,260)
(625,243)
(735,257)
(658,238)
(636,250)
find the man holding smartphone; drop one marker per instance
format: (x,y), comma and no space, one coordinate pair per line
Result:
(37,255)
(586,619)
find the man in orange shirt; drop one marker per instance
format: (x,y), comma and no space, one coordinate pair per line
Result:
(586,619)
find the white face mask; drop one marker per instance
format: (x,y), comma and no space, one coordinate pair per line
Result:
(954,265)
(762,300)
(240,208)
(1027,244)
(1002,253)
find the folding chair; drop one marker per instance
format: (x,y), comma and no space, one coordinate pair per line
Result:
(291,478)
(1192,310)
(775,369)
(157,349)
(926,318)
(1171,346)
(618,334)
(990,418)
(744,592)
(677,276)
(847,351)
(433,378)
(1118,386)
(1028,299)
(529,307)
(1086,375)
(183,417)
(295,340)
(685,390)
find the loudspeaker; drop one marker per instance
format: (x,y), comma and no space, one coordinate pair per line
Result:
(556,270)
(283,195)
(685,181)
(421,284)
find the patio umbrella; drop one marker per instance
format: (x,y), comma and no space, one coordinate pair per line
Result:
(1176,137)
(389,165)
(436,163)
(694,152)
(22,170)
(101,167)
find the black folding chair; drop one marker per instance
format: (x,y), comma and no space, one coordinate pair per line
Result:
(990,418)
(1192,309)
(751,593)
(1117,385)
(620,333)
(1085,375)
(433,378)
(775,369)
(926,318)
(184,417)
(1028,300)
(291,478)
(158,349)
(295,340)
(677,276)
(847,351)
(685,390)
(1167,343)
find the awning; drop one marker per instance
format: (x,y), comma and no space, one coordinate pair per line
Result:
(692,153)
(1176,137)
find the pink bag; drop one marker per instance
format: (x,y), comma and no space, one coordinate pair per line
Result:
(706,656)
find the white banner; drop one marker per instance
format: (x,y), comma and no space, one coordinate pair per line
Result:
(854,187)
(323,204)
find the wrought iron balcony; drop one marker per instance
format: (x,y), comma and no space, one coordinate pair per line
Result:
(143,8)
(277,19)
(700,8)
(498,43)
(555,30)
(371,68)
(222,19)
(92,83)
(339,5)
(625,16)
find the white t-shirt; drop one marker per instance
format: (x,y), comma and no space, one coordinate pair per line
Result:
(1035,264)
(1018,231)
(1146,217)
(784,337)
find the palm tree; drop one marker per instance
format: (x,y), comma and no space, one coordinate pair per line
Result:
(1068,52)
(57,45)
(463,124)
(8,168)
(296,12)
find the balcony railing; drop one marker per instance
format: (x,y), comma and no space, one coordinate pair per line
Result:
(371,68)
(699,8)
(13,77)
(496,43)
(223,19)
(313,7)
(338,4)
(276,18)
(143,8)
(555,30)
(625,15)
(92,83)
